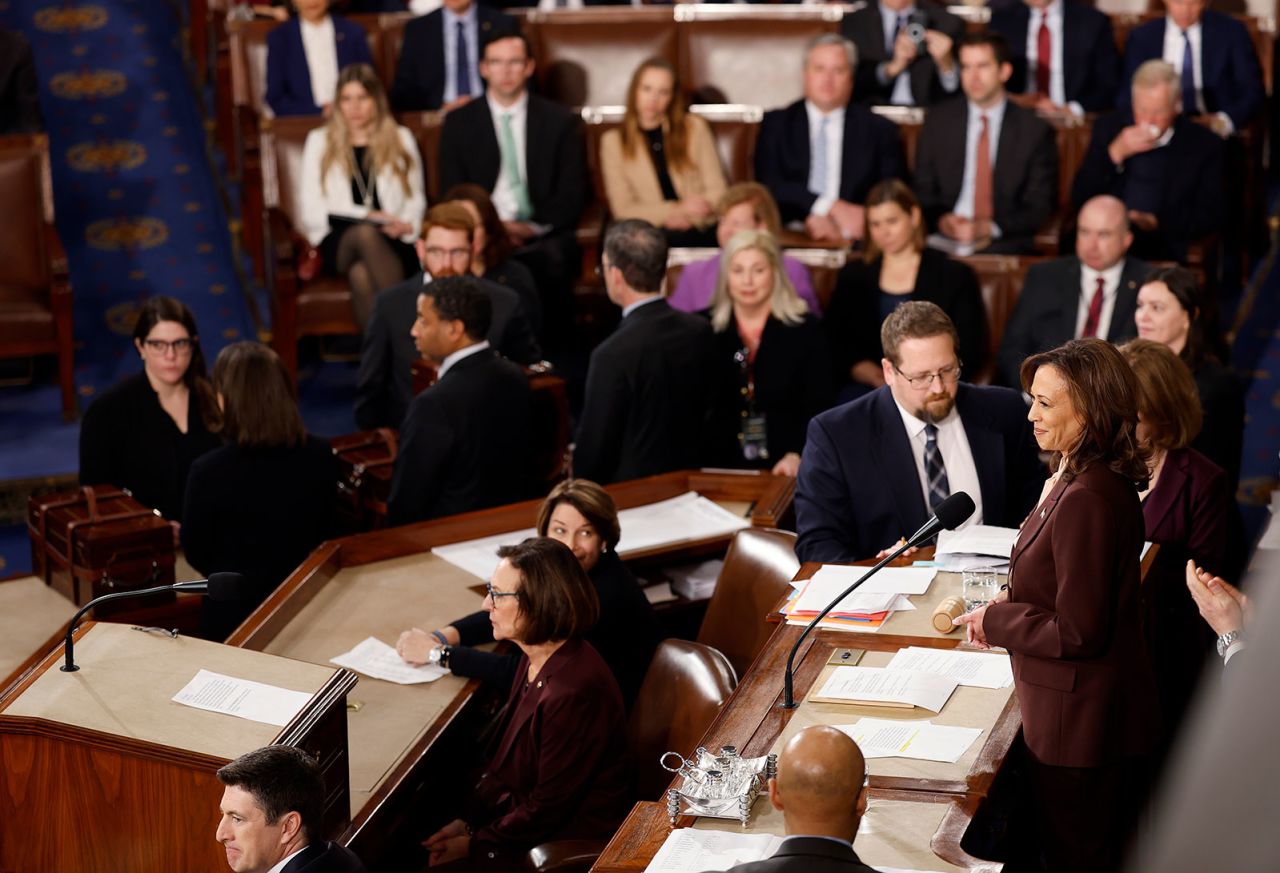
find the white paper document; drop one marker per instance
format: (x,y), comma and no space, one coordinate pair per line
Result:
(922,740)
(818,594)
(882,685)
(375,658)
(242,698)
(687,850)
(480,557)
(981,539)
(890,580)
(980,669)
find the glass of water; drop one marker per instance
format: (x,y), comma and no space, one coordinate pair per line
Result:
(980,586)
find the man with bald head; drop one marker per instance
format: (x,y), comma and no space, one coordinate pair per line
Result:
(1092,293)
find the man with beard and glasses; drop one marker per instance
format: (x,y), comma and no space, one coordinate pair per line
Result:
(873,470)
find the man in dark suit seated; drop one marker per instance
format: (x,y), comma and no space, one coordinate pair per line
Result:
(1092,293)
(986,169)
(875,468)
(464,443)
(384,386)
(648,385)
(529,153)
(821,794)
(1214,58)
(272,815)
(440,56)
(820,156)
(1064,55)
(906,52)
(1166,168)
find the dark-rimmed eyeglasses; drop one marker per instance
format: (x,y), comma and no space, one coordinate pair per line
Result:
(163,347)
(494,594)
(947,375)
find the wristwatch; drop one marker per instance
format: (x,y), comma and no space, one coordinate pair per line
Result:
(1225,641)
(440,655)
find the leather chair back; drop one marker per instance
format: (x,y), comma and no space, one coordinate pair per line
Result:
(681,695)
(758,569)
(586,57)
(1000,278)
(24,254)
(426,128)
(282,164)
(391,27)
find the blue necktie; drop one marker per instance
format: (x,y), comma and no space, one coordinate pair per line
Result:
(1189,102)
(818,160)
(939,487)
(463,67)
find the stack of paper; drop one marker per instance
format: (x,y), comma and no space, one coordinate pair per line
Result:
(982,545)
(886,687)
(922,740)
(695,581)
(687,850)
(867,608)
(979,669)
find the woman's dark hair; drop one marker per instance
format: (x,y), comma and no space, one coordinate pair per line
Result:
(1204,340)
(1104,393)
(556,597)
(891,191)
(259,406)
(161,308)
(1167,397)
(497,242)
(592,501)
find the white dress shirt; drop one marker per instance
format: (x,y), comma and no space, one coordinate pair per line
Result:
(504,198)
(957,458)
(973,129)
(1173,53)
(835,145)
(632,307)
(1088,287)
(453,357)
(471,30)
(1057,72)
(321,48)
(284,862)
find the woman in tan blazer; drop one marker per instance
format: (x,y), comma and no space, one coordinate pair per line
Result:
(661,163)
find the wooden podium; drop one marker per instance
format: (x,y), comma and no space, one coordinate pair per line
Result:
(100,770)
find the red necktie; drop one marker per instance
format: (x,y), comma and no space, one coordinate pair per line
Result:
(983,208)
(1044,55)
(1095,312)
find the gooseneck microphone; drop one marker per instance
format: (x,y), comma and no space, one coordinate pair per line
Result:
(219,586)
(950,514)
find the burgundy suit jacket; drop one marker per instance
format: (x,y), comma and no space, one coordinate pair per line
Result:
(1072,625)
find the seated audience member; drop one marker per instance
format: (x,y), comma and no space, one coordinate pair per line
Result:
(1063,53)
(648,385)
(304,56)
(384,386)
(820,156)
(1224,607)
(19,86)
(1166,168)
(558,769)
(744,206)
(1173,310)
(491,250)
(773,371)
(362,191)
(259,504)
(874,469)
(272,815)
(581,515)
(440,57)
(661,163)
(1093,293)
(906,52)
(1213,56)
(1186,506)
(821,792)
(895,266)
(464,441)
(143,434)
(1003,186)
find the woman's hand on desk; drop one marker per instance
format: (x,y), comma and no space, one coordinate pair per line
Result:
(451,843)
(414,645)
(972,622)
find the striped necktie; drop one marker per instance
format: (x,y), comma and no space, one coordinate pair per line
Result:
(934,470)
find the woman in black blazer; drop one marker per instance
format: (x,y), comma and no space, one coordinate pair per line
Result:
(896,267)
(772,370)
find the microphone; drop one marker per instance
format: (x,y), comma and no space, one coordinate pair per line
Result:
(949,515)
(219,586)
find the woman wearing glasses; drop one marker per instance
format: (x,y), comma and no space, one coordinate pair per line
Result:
(143,434)
(582,515)
(558,769)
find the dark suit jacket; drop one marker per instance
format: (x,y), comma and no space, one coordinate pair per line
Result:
(645,405)
(325,857)
(1045,315)
(808,855)
(288,77)
(1221,437)
(1090,62)
(384,385)
(464,443)
(853,319)
(420,73)
(1073,628)
(1190,200)
(555,158)
(859,490)
(559,769)
(1026,171)
(872,153)
(1231,80)
(865,29)
(19,86)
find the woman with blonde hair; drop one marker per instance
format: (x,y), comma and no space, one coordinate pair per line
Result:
(661,163)
(772,366)
(362,192)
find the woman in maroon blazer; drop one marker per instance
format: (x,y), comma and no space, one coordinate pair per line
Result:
(558,769)
(1071,617)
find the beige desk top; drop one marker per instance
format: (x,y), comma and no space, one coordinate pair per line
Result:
(30,613)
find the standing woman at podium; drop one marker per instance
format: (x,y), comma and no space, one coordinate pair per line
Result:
(1071,615)
(144,433)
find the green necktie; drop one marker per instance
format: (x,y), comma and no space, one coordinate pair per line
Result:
(511,164)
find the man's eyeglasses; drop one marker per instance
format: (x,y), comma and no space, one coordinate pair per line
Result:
(162,347)
(451,254)
(947,375)
(494,594)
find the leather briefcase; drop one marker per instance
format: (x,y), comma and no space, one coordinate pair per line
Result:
(366,461)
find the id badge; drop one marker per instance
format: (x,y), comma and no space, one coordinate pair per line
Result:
(754,438)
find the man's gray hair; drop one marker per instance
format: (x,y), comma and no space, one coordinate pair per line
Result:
(1157,72)
(850,50)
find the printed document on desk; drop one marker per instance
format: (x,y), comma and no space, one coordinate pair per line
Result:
(375,658)
(885,687)
(981,539)
(891,580)
(242,698)
(687,850)
(979,669)
(480,557)
(921,740)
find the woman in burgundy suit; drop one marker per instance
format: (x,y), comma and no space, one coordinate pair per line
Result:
(1071,616)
